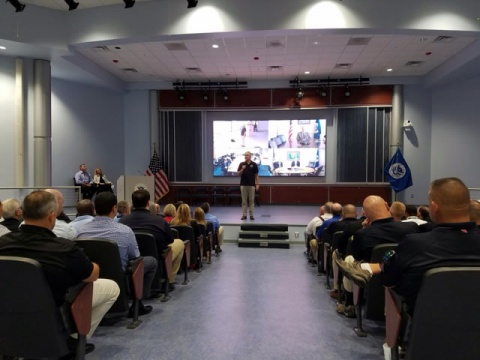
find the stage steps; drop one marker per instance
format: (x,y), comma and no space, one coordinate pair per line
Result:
(264,235)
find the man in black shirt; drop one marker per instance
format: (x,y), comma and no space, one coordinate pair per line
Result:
(249,183)
(63,262)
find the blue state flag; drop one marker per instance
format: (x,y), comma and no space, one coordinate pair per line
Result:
(398,173)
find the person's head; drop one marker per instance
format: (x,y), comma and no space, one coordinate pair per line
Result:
(199,216)
(169,210)
(1,209)
(328,207)
(154,208)
(397,209)
(59,196)
(106,204)
(205,207)
(336,209)
(83,167)
(98,171)
(423,212)
(183,215)
(322,210)
(375,208)
(177,204)
(248,156)
(140,199)
(350,211)
(410,210)
(475,211)
(123,207)
(449,200)
(12,209)
(40,208)
(85,207)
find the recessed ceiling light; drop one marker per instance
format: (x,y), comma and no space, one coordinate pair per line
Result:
(389,69)
(3,48)
(307,72)
(215,46)
(423,39)
(315,43)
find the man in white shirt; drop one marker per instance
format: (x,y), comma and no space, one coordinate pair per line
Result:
(62,229)
(324,214)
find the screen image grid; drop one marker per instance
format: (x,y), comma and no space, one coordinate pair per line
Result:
(279,147)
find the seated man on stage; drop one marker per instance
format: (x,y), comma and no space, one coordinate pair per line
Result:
(84,179)
(303,138)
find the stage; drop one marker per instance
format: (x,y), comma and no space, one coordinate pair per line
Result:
(296,217)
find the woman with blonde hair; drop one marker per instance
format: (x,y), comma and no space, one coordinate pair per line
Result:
(183,218)
(199,216)
(169,212)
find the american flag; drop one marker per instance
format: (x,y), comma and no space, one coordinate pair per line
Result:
(161,181)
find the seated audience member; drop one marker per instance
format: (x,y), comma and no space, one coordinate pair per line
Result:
(169,212)
(85,214)
(475,211)
(336,212)
(325,213)
(123,208)
(3,229)
(63,262)
(411,215)
(423,213)
(154,209)
(454,241)
(183,218)
(177,204)
(303,137)
(397,209)
(85,180)
(103,227)
(142,219)
(12,214)
(216,224)
(101,181)
(62,228)
(64,217)
(379,227)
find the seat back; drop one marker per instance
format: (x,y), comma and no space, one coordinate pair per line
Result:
(375,293)
(105,253)
(445,324)
(185,232)
(31,325)
(147,246)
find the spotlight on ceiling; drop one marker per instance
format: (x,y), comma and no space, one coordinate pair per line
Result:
(72,5)
(225,95)
(347,91)
(299,94)
(323,92)
(192,3)
(19,7)
(181,95)
(129,3)
(205,96)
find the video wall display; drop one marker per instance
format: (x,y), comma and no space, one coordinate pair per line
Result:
(279,147)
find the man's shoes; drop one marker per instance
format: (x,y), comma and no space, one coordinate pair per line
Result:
(142,310)
(340,308)
(171,287)
(251,217)
(243,218)
(349,312)
(72,346)
(354,272)
(334,294)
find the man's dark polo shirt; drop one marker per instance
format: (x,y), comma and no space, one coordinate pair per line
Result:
(454,244)
(63,262)
(143,220)
(380,232)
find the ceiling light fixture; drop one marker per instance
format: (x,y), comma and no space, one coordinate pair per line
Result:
(3,48)
(215,46)
(181,94)
(225,95)
(72,5)
(129,3)
(323,91)
(19,7)
(205,96)
(299,94)
(192,3)
(347,91)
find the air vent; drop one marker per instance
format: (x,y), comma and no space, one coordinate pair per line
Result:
(133,70)
(176,46)
(443,39)
(275,44)
(343,66)
(193,70)
(274,68)
(101,48)
(359,41)
(414,63)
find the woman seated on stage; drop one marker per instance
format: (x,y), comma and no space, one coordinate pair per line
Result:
(101,181)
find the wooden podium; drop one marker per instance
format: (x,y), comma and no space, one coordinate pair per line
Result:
(126,185)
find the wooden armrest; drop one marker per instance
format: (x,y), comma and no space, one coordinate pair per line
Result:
(136,268)
(393,318)
(81,307)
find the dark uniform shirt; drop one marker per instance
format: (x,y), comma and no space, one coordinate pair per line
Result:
(247,178)
(63,262)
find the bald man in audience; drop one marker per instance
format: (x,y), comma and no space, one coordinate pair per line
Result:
(12,214)
(62,229)
(3,229)
(397,209)
(475,211)
(454,241)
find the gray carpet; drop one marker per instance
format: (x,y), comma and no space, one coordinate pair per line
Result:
(250,303)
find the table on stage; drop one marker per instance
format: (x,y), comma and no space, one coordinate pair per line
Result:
(289,171)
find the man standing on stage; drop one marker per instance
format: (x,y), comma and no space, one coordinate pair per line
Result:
(249,183)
